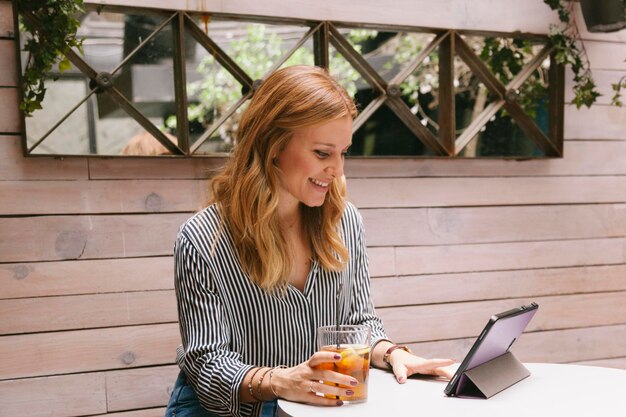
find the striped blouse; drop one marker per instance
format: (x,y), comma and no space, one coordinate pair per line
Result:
(228,324)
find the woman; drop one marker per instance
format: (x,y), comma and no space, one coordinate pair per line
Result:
(258,270)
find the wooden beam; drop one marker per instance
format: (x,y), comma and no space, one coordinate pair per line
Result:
(88,237)
(73,312)
(180,82)
(320,45)
(62,396)
(582,158)
(355,59)
(493,285)
(507,256)
(88,350)
(447,114)
(467,319)
(89,197)
(457,225)
(553,346)
(420,131)
(449,192)
(13,165)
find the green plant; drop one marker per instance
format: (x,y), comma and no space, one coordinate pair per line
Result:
(52,25)
(256,52)
(570,50)
(617,89)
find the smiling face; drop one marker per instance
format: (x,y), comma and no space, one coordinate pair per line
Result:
(310,161)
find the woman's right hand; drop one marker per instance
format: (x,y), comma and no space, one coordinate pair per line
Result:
(302,382)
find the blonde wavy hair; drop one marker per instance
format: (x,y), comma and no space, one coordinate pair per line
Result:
(246,191)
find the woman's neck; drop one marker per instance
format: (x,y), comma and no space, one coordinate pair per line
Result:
(290,220)
(289,213)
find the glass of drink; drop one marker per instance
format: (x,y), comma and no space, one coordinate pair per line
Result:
(353,344)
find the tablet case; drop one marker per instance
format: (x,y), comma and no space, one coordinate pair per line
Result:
(490,367)
(488,379)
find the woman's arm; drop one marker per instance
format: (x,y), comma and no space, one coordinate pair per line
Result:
(222,382)
(214,371)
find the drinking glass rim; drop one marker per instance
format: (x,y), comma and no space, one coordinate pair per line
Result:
(344,328)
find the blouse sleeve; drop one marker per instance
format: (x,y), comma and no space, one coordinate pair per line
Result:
(214,371)
(362,308)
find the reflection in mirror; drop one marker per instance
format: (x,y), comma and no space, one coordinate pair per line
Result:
(78,116)
(158,82)
(214,94)
(501,135)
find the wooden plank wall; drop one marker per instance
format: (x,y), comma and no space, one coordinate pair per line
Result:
(87,310)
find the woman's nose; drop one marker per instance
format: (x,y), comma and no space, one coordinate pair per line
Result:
(336,167)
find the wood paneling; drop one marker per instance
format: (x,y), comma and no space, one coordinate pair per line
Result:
(502,256)
(439,226)
(88,350)
(10,115)
(476,286)
(92,197)
(148,168)
(140,388)
(42,279)
(619,363)
(597,123)
(8,69)
(62,396)
(6,19)
(382,262)
(447,321)
(554,346)
(581,158)
(573,345)
(86,270)
(440,14)
(606,55)
(24,315)
(13,166)
(446,192)
(88,237)
(87,394)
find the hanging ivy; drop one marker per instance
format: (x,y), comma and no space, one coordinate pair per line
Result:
(53,33)
(570,50)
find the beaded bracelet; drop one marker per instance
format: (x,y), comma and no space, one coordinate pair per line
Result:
(258,385)
(272,373)
(250,385)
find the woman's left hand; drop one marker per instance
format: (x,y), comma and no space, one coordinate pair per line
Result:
(406,364)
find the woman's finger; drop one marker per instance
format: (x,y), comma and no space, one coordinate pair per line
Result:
(321,357)
(401,372)
(438,363)
(334,378)
(332,390)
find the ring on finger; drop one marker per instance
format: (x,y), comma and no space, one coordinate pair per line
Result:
(311,387)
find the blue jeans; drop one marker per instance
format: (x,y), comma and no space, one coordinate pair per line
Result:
(185,403)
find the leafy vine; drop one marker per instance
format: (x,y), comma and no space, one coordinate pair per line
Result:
(52,25)
(570,50)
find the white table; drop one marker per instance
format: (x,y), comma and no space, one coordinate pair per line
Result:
(551,390)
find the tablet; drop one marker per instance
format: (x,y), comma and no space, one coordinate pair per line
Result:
(496,339)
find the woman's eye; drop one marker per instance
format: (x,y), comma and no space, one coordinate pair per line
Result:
(321,154)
